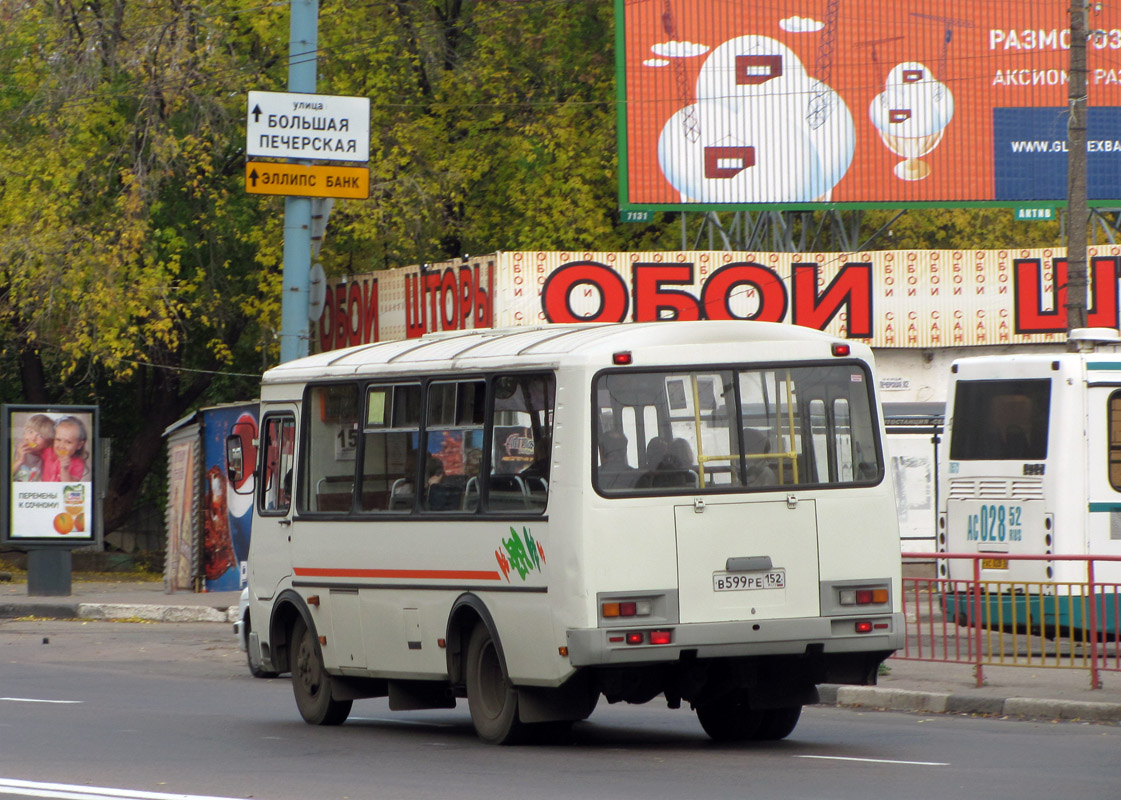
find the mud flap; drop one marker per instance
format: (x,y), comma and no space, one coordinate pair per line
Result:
(573,701)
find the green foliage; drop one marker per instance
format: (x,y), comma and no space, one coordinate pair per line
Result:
(963,228)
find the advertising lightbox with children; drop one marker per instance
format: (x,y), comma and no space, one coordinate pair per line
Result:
(50,465)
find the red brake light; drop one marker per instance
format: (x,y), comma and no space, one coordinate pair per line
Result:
(622,359)
(841,350)
(636,638)
(659,637)
(864,626)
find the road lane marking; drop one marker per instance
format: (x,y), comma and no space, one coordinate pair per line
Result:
(881,761)
(37,700)
(66,791)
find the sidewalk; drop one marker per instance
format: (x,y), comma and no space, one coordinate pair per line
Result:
(145,600)
(915,686)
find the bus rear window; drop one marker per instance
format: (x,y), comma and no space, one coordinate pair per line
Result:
(1002,420)
(733,429)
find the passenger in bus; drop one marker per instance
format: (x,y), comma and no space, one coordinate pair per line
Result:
(682,453)
(615,473)
(656,450)
(402,491)
(537,473)
(473,462)
(442,492)
(668,465)
(759,472)
(433,471)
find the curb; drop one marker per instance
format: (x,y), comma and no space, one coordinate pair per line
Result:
(116,611)
(946,703)
(105,611)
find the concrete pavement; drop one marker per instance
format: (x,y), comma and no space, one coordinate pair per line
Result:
(145,600)
(914,686)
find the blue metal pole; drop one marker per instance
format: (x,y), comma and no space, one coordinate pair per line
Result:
(303,35)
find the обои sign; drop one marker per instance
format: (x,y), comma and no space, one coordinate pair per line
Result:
(904,298)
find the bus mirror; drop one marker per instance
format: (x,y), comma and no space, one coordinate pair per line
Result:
(235,458)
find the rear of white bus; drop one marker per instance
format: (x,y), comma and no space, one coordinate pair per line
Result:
(741,542)
(1014,472)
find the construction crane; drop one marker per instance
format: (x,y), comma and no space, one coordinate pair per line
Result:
(949,23)
(689,122)
(872,43)
(818,109)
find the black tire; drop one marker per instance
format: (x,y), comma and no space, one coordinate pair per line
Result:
(254,666)
(778,723)
(493,701)
(311,684)
(729,718)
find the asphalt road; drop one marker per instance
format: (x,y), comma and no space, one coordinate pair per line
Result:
(169,709)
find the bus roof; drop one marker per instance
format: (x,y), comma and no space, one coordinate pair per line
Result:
(555,344)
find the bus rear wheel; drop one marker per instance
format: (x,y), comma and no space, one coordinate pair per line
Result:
(729,717)
(311,684)
(493,701)
(778,723)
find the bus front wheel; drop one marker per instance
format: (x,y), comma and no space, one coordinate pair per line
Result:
(493,701)
(311,684)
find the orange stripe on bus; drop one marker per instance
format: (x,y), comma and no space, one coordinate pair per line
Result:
(436,574)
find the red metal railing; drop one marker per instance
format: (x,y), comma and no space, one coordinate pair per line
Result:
(1049,624)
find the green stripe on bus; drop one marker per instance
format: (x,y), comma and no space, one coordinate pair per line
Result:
(1105,507)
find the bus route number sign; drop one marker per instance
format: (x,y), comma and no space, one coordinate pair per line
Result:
(748,581)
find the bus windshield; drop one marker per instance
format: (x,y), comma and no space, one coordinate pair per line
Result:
(1003,420)
(731,429)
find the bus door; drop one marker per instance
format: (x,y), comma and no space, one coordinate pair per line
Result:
(745,560)
(271,539)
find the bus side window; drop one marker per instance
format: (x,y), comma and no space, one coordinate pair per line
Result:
(521,442)
(390,435)
(278,446)
(327,463)
(454,440)
(1115,441)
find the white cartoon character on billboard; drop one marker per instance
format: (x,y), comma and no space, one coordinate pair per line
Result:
(761,130)
(911,115)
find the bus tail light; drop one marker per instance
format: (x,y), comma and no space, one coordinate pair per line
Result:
(864,596)
(626,608)
(863,626)
(645,637)
(841,350)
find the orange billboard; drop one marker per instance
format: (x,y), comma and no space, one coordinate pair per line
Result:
(789,104)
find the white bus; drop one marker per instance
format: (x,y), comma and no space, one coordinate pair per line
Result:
(535,517)
(1034,468)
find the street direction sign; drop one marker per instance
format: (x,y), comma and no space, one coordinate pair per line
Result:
(313,127)
(307,180)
